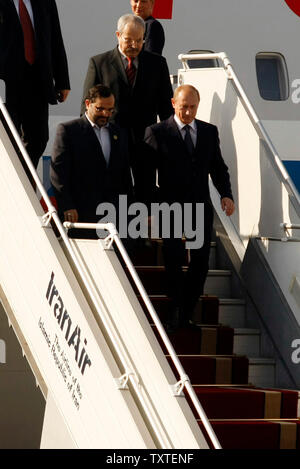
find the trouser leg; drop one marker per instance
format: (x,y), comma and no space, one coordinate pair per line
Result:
(29,110)
(198,266)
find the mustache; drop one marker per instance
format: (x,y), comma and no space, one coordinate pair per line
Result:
(132,49)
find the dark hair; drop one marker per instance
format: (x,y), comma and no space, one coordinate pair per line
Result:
(98,91)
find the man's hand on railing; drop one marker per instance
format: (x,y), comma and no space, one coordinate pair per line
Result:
(227,205)
(71,215)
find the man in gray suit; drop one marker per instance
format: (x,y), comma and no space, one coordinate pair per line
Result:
(138,79)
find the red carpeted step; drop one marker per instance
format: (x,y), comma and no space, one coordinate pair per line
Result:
(289,403)
(206,312)
(246,434)
(201,340)
(245,403)
(153,279)
(256,434)
(214,370)
(230,403)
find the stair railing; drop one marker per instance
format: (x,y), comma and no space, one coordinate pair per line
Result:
(272,154)
(184,381)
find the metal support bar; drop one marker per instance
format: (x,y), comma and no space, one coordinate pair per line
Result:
(123,380)
(180,385)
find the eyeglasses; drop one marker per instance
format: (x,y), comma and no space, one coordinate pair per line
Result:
(103,109)
(128,40)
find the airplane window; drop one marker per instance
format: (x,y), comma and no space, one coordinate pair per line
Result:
(205,63)
(272,76)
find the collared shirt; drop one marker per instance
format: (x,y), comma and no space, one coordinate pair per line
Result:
(102,133)
(27,4)
(193,129)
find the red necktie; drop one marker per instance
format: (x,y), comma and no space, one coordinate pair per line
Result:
(130,71)
(28,32)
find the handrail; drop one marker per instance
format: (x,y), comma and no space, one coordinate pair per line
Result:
(184,379)
(285,178)
(53,214)
(290,226)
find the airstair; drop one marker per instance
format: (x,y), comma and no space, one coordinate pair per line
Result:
(88,327)
(94,356)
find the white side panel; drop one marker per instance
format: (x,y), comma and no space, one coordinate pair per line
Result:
(55,431)
(284,260)
(122,309)
(72,356)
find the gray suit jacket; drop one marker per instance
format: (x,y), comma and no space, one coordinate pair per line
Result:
(137,107)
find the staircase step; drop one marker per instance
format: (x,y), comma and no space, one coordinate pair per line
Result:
(208,369)
(207,310)
(247,403)
(153,279)
(262,371)
(232,312)
(201,340)
(247,342)
(257,434)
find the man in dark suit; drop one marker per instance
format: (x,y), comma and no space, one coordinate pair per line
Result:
(154,34)
(90,161)
(33,65)
(138,79)
(185,151)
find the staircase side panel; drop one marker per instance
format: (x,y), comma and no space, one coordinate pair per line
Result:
(57,323)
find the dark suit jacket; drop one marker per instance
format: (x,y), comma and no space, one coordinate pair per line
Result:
(154,36)
(182,178)
(50,52)
(79,173)
(139,106)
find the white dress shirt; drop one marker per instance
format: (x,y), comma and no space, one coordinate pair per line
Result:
(27,4)
(193,129)
(102,133)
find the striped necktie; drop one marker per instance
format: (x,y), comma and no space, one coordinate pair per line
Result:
(130,71)
(28,32)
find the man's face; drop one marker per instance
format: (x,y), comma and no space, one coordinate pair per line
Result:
(186,105)
(100,110)
(142,8)
(131,40)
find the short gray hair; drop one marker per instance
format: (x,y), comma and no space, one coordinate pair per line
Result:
(130,19)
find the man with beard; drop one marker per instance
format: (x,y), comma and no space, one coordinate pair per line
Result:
(90,161)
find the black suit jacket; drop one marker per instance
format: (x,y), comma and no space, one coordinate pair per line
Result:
(139,106)
(79,173)
(182,178)
(51,58)
(154,36)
